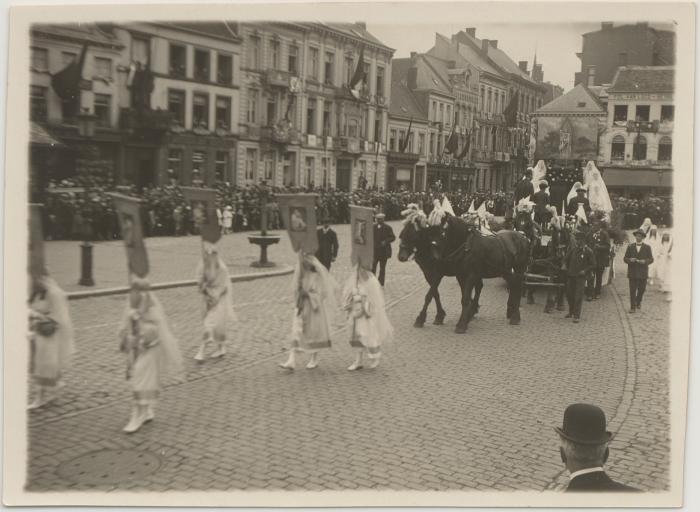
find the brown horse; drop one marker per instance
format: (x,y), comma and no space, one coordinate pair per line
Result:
(464,252)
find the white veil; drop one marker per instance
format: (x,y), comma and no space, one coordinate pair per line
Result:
(538,174)
(598,196)
(572,192)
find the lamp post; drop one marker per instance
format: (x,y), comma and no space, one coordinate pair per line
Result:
(86,129)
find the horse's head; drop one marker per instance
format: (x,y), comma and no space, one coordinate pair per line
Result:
(408,241)
(523,221)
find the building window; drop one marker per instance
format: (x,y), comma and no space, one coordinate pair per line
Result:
(40,59)
(620,114)
(313,64)
(432,144)
(622,59)
(175,163)
(352,128)
(311,116)
(402,137)
(224,69)
(201,65)
(377,130)
(349,71)
(252,113)
(270,163)
(448,114)
(221,166)
(327,118)
(324,167)
(176,106)
(433,112)
(328,68)
(292,60)
(178,61)
(199,163)
(665,149)
(68,57)
(271,110)
(38,103)
(310,171)
(223,112)
(640,148)
(591,75)
(379,83)
(103,68)
(140,50)
(103,104)
(617,148)
(421,143)
(392,140)
(200,110)
(275,54)
(253,57)
(251,158)
(667,112)
(482,103)
(642,113)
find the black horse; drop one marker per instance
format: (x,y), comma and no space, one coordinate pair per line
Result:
(416,241)
(470,256)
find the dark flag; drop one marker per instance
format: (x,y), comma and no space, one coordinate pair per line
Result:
(359,75)
(66,82)
(467,145)
(451,144)
(511,111)
(404,142)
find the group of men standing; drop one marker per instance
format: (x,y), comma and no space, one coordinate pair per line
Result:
(383,237)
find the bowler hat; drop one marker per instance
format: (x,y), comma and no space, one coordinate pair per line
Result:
(584,424)
(380,216)
(639,231)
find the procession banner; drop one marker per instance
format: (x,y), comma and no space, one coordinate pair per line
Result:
(129,212)
(202,203)
(37,264)
(299,219)
(361,220)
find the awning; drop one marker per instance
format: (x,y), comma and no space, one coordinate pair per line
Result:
(638,178)
(38,136)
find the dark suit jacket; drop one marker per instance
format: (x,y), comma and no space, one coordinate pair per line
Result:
(383,236)
(572,207)
(541,199)
(327,246)
(600,243)
(524,188)
(579,261)
(598,482)
(638,270)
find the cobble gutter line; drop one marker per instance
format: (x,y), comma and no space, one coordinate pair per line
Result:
(628,392)
(203,378)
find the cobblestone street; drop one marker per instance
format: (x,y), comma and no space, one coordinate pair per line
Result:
(442,411)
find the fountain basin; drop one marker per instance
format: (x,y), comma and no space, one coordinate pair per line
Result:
(263,241)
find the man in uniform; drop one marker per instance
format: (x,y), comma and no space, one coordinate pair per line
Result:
(578,263)
(327,244)
(541,200)
(383,237)
(599,242)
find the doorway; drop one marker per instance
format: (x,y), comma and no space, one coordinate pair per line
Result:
(343,177)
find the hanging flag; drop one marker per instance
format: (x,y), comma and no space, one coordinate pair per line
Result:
(447,206)
(66,83)
(129,213)
(511,111)
(202,203)
(298,213)
(359,76)
(362,222)
(451,144)
(404,143)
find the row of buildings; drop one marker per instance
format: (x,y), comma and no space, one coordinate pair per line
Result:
(245,102)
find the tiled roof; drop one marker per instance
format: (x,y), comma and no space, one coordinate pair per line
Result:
(643,79)
(403,102)
(217,29)
(500,58)
(38,136)
(84,32)
(473,57)
(355,30)
(578,100)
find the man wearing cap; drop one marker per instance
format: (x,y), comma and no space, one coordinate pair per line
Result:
(578,262)
(327,244)
(638,258)
(524,189)
(541,200)
(383,237)
(574,202)
(584,450)
(599,242)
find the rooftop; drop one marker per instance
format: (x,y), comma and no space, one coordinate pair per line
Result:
(217,29)
(643,79)
(79,32)
(403,102)
(579,100)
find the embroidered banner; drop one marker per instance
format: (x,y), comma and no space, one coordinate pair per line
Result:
(299,218)
(362,236)
(129,212)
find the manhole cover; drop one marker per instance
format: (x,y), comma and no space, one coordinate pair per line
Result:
(109,467)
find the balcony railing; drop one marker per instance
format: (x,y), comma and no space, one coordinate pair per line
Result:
(279,134)
(643,126)
(350,145)
(145,120)
(278,78)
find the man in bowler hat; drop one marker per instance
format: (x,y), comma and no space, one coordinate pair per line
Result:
(327,244)
(383,237)
(580,199)
(584,450)
(578,262)
(638,258)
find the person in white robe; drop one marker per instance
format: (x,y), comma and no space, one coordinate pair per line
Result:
(51,338)
(646,226)
(215,285)
(598,196)
(368,323)
(654,241)
(663,264)
(150,348)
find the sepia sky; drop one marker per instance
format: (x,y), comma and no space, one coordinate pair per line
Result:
(556,43)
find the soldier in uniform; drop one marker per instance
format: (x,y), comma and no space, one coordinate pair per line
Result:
(578,263)
(599,242)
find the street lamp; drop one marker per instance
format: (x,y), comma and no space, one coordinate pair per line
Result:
(86,129)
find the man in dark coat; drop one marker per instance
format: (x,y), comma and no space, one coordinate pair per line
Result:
(383,237)
(638,258)
(541,200)
(524,188)
(599,242)
(580,198)
(578,262)
(327,244)
(584,450)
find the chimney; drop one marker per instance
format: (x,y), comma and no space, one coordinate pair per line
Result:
(523,66)
(485,45)
(471,31)
(606,25)
(494,43)
(413,55)
(412,78)
(361,24)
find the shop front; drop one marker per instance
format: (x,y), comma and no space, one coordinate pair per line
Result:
(639,182)
(402,170)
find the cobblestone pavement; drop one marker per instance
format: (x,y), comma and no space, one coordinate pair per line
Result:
(443,411)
